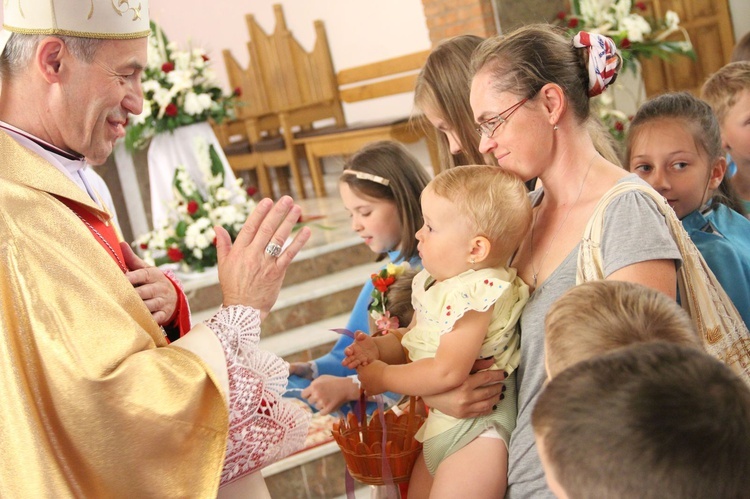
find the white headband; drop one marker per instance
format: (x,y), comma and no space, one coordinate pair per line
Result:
(368,176)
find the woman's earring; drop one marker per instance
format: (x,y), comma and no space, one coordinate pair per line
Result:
(472,261)
(555,127)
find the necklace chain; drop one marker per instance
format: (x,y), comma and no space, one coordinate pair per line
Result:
(104,240)
(534,271)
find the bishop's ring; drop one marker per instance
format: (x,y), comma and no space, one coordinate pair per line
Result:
(273,249)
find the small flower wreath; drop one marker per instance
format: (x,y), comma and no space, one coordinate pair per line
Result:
(379,304)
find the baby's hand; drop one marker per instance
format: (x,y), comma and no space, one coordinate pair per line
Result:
(360,353)
(371,378)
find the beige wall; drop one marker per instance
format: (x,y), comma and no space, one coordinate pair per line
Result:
(740,11)
(359,32)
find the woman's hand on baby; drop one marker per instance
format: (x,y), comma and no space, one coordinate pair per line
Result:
(475,397)
(362,352)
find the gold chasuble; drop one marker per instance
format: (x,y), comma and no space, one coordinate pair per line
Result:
(93,403)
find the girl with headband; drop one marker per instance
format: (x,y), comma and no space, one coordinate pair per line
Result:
(380,188)
(530,99)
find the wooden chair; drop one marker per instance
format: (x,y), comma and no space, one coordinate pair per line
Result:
(370,81)
(260,146)
(300,86)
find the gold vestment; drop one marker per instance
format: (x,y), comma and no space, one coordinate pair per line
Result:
(93,403)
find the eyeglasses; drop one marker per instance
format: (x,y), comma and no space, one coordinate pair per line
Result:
(487,127)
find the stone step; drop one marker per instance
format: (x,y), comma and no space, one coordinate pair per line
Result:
(306,342)
(311,301)
(316,473)
(203,290)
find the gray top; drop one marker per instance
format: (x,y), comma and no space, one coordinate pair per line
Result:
(634,231)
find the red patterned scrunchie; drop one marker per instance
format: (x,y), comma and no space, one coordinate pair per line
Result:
(604,61)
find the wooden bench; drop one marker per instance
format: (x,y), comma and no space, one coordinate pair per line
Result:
(370,81)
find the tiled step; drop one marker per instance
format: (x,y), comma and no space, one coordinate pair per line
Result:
(316,473)
(306,342)
(312,300)
(317,299)
(203,290)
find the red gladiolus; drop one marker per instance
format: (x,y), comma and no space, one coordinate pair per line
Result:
(251,190)
(619,126)
(625,43)
(561,15)
(175,254)
(167,67)
(205,58)
(572,22)
(238,91)
(171,109)
(192,207)
(144,246)
(382,283)
(640,5)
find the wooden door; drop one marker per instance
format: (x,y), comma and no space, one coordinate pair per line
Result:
(710,29)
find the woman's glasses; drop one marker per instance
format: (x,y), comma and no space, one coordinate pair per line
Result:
(487,127)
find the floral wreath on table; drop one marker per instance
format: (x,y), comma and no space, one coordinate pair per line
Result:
(379,304)
(636,35)
(187,236)
(179,89)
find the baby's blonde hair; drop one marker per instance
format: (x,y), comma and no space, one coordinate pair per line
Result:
(495,201)
(600,316)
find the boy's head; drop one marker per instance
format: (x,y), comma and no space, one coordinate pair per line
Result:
(600,316)
(652,420)
(494,201)
(728,93)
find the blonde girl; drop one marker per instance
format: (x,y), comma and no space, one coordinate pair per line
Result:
(466,303)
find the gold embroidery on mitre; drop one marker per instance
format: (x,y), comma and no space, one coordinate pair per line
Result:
(713,335)
(91,11)
(118,4)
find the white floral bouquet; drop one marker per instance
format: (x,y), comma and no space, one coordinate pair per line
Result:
(188,236)
(636,35)
(179,88)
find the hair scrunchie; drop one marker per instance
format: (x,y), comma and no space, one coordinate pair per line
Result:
(604,61)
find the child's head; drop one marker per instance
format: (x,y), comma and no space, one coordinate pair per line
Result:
(653,420)
(741,51)
(728,92)
(380,187)
(474,217)
(391,306)
(600,316)
(442,94)
(674,144)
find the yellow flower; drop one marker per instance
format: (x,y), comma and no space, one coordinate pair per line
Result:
(397,270)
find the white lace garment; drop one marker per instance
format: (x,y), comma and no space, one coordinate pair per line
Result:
(263,427)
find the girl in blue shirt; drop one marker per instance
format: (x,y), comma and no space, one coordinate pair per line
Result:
(674,144)
(380,187)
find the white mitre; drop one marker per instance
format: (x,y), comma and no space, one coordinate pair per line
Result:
(105,19)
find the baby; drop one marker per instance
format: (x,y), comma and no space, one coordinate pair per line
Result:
(467,303)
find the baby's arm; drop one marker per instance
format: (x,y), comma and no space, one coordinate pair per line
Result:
(367,349)
(455,355)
